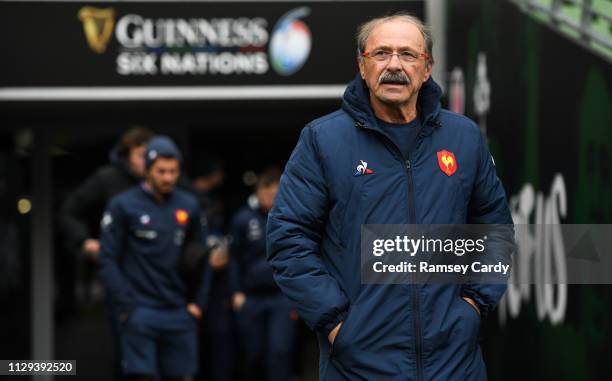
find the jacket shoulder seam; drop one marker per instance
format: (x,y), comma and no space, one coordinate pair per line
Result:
(460,117)
(327,118)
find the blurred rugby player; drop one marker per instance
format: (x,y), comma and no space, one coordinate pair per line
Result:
(146,232)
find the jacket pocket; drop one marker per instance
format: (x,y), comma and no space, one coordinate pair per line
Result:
(477,312)
(471,320)
(339,341)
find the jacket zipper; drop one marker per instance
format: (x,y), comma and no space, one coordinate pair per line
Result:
(415,290)
(416,301)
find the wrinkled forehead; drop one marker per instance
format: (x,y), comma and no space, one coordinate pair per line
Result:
(396,34)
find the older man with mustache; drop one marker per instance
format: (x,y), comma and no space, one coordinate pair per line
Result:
(390,155)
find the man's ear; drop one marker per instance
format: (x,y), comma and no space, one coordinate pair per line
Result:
(428,72)
(361,65)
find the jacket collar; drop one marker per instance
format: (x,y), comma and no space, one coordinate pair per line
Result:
(146,189)
(356,102)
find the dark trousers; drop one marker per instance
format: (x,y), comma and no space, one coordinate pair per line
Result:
(115,326)
(268,335)
(218,334)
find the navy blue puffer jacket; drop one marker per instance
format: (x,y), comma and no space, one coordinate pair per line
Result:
(390,332)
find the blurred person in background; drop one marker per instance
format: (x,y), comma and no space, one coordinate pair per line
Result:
(149,233)
(87,202)
(80,214)
(266,319)
(217,327)
(208,179)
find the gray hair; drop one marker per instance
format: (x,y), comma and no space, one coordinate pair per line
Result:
(364,30)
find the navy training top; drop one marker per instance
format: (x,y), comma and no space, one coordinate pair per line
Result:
(142,244)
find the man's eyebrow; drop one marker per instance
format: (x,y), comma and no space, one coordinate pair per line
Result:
(400,49)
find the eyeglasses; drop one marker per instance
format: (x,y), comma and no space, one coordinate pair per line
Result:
(405,56)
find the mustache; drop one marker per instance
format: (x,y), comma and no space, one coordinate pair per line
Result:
(394,77)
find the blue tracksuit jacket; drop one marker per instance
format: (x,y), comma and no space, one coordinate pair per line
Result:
(142,246)
(250,272)
(390,332)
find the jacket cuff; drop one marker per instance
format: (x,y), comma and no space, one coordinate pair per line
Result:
(474,295)
(200,303)
(327,327)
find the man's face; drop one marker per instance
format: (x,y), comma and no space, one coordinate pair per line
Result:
(163,175)
(265,195)
(209,182)
(136,160)
(394,82)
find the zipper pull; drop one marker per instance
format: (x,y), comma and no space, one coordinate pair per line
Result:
(408,165)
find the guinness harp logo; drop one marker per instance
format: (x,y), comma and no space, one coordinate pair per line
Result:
(98,26)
